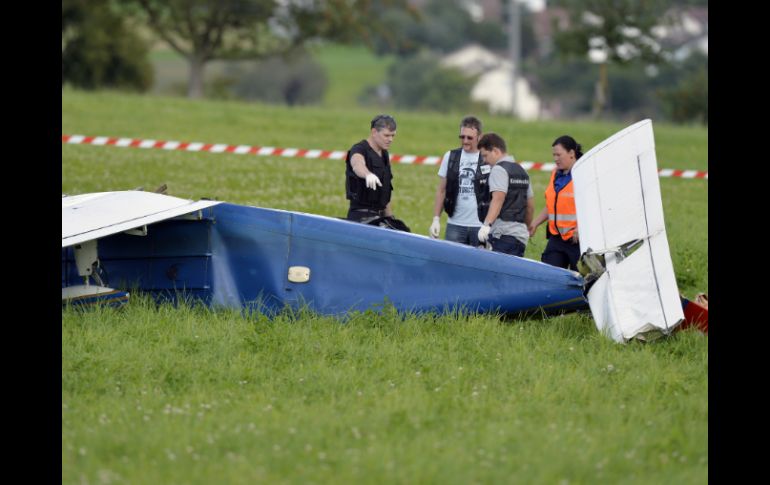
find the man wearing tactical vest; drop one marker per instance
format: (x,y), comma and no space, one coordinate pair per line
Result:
(512,205)
(462,189)
(563,248)
(368,179)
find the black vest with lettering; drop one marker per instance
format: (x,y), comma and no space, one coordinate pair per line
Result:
(453,185)
(515,203)
(357,193)
(481,187)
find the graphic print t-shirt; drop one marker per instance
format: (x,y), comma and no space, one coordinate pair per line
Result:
(465,209)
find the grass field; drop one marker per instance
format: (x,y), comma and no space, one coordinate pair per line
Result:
(191,395)
(349,69)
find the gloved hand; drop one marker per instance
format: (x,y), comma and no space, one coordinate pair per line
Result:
(484,233)
(435,227)
(372,181)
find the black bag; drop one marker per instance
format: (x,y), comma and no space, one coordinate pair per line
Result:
(389,222)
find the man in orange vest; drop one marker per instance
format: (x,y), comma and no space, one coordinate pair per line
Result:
(563,248)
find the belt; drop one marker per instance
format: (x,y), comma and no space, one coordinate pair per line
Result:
(380,213)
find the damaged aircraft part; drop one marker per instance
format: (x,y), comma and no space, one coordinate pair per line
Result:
(633,291)
(87,218)
(268,259)
(696,313)
(592,264)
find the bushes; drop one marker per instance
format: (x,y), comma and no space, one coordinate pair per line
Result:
(294,80)
(689,100)
(420,82)
(99,51)
(677,91)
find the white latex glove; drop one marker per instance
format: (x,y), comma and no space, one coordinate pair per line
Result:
(372,181)
(435,227)
(484,233)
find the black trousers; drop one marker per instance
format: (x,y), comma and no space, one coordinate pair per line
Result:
(508,245)
(561,253)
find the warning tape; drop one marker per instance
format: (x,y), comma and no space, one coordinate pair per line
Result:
(304,153)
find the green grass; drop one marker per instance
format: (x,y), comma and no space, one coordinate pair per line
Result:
(192,395)
(349,70)
(352,68)
(232,122)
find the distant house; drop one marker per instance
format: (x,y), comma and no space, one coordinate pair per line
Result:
(687,34)
(494,85)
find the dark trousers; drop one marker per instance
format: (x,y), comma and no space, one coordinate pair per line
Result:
(508,245)
(561,253)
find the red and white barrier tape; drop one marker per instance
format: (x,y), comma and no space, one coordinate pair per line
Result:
(304,153)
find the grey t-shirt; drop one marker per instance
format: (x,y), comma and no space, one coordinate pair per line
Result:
(498,182)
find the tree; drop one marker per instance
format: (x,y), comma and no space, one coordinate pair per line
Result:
(689,100)
(611,32)
(420,82)
(98,50)
(441,25)
(204,30)
(293,81)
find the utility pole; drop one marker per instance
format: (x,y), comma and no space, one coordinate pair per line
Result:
(514,42)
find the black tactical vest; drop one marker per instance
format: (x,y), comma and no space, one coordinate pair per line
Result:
(355,187)
(515,203)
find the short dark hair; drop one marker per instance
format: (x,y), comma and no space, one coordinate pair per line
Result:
(492,140)
(569,143)
(471,122)
(384,121)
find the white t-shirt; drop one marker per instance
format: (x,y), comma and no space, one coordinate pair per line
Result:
(465,213)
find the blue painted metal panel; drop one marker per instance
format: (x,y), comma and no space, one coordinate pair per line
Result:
(239,256)
(250,246)
(417,273)
(173,259)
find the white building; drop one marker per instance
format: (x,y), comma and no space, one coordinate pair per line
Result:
(495,86)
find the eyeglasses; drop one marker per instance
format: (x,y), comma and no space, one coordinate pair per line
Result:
(465,137)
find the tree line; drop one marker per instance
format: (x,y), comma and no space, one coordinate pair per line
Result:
(105,43)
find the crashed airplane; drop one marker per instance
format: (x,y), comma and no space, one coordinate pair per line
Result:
(268,259)
(239,256)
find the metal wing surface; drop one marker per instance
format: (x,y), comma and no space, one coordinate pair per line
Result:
(96,215)
(618,200)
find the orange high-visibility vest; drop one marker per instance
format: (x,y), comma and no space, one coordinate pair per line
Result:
(562,215)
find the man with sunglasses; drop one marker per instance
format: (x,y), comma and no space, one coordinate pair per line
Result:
(462,189)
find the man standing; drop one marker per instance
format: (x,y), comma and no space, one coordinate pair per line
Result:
(462,190)
(506,225)
(368,179)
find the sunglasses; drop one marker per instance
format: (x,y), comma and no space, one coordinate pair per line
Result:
(465,137)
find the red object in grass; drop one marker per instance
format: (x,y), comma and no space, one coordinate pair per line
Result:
(696,313)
